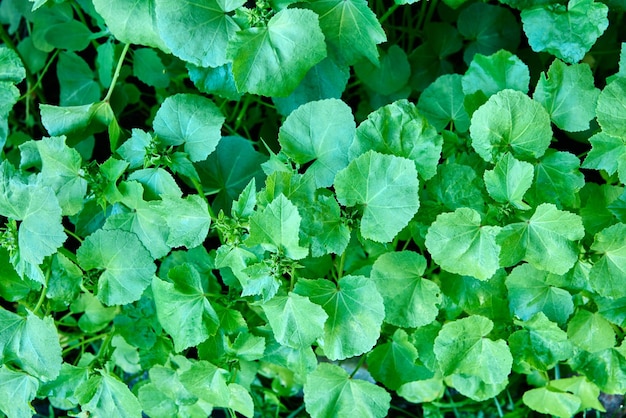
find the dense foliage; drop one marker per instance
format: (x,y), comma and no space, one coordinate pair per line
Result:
(330,208)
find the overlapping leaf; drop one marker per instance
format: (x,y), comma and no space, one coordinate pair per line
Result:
(607,274)
(509,180)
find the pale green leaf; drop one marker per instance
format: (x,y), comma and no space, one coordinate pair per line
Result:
(509,180)
(608,274)
(355,314)
(126,265)
(549,401)
(190,226)
(579,386)
(607,153)
(496,72)
(611,108)
(461,244)
(386,186)
(17,390)
(410,300)
(105,396)
(590,331)
(329,392)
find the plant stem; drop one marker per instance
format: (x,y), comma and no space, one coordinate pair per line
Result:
(44,291)
(388,13)
(497,402)
(342,262)
(296,412)
(358,366)
(116,75)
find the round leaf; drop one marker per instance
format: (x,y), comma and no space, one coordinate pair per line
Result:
(607,274)
(612,107)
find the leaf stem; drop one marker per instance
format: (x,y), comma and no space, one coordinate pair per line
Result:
(388,13)
(497,402)
(73,235)
(116,75)
(84,343)
(44,291)
(296,411)
(342,262)
(357,367)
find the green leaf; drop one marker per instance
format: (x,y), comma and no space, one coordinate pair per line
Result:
(134,149)
(442,102)
(329,392)
(568,94)
(590,331)
(410,300)
(540,345)
(607,153)
(11,67)
(511,122)
(448,193)
(273,60)
(606,369)
(322,132)
(61,391)
(530,292)
(393,363)
(550,401)
(494,73)
(148,67)
(215,80)
(388,76)
(351,29)
(61,170)
(295,320)
(386,186)
(106,396)
(579,386)
(399,129)
(206,381)
(607,274)
(324,226)
(72,35)
(76,80)
(182,308)
(355,314)
(202,40)
(31,343)
(488,28)
(509,180)
(276,228)
(568,33)
(463,350)
(17,390)
(192,120)
(131,21)
(127,267)
(190,226)
(547,240)
(460,244)
(557,179)
(423,391)
(611,107)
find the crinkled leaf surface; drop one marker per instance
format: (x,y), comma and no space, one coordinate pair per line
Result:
(131,21)
(462,348)
(510,121)
(410,300)
(17,390)
(330,392)
(355,314)
(183,310)
(31,343)
(386,186)
(568,33)
(547,240)
(191,120)
(608,274)
(399,129)
(442,102)
(105,396)
(276,228)
(460,244)
(612,107)
(127,267)
(509,180)
(273,60)
(204,35)
(295,320)
(568,94)
(530,293)
(350,28)
(320,131)
(325,227)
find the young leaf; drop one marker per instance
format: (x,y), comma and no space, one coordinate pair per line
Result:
(191,120)
(568,94)
(393,363)
(460,244)
(511,122)
(203,38)
(509,181)
(104,395)
(568,33)
(17,390)
(546,240)
(607,274)
(183,310)
(410,300)
(329,392)
(350,28)
(386,186)
(321,131)
(273,60)
(549,401)
(355,314)
(499,71)
(295,320)
(127,267)
(399,129)
(131,22)
(276,228)
(442,102)
(530,293)
(191,224)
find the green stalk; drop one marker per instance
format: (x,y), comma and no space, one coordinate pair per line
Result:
(116,75)
(358,366)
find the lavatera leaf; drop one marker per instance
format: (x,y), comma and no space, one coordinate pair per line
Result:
(272,60)
(385,187)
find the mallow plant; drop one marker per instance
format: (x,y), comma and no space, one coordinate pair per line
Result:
(326,208)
